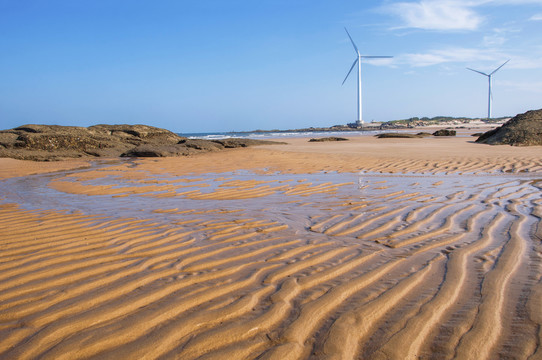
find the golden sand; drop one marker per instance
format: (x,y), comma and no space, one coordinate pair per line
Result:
(369,249)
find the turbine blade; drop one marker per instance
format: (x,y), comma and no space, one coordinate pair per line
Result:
(479,72)
(349,71)
(494,71)
(375,57)
(353,44)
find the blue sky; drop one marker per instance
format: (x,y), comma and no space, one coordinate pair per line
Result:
(217,65)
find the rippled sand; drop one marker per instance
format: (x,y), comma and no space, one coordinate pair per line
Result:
(371,249)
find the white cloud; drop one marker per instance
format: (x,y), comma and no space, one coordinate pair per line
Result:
(419,60)
(499,36)
(448,14)
(448,55)
(528,86)
(436,15)
(379,62)
(473,57)
(499,2)
(494,40)
(461,15)
(506,2)
(526,63)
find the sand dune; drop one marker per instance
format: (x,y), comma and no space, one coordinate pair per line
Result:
(218,257)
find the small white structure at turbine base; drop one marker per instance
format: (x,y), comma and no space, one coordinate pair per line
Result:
(358,62)
(490,94)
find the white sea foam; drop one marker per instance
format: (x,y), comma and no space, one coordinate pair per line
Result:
(277,135)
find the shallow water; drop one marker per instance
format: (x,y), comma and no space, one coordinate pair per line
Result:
(34,192)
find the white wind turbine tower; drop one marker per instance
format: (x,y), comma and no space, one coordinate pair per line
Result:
(490,95)
(358,61)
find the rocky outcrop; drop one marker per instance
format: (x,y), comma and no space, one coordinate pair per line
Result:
(54,142)
(331,138)
(192,146)
(398,135)
(444,132)
(413,136)
(235,142)
(522,130)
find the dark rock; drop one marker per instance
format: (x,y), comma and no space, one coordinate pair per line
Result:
(522,130)
(331,138)
(200,144)
(147,150)
(54,142)
(398,135)
(235,143)
(9,139)
(444,132)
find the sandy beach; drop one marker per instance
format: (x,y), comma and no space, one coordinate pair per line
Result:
(363,249)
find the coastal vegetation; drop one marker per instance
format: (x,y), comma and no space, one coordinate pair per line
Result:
(442,120)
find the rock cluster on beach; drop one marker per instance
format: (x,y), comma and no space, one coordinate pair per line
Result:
(444,132)
(522,130)
(330,138)
(54,142)
(402,135)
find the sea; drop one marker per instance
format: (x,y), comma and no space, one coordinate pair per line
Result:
(277,134)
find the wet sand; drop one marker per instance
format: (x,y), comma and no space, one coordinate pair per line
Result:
(367,249)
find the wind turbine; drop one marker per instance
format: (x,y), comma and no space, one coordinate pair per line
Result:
(358,61)
(490,94)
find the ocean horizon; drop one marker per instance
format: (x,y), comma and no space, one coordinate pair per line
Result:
(275,134)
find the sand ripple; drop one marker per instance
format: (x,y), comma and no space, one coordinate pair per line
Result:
(230,266)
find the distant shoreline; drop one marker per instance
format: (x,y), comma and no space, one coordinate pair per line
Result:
(459,123)
(414,123)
